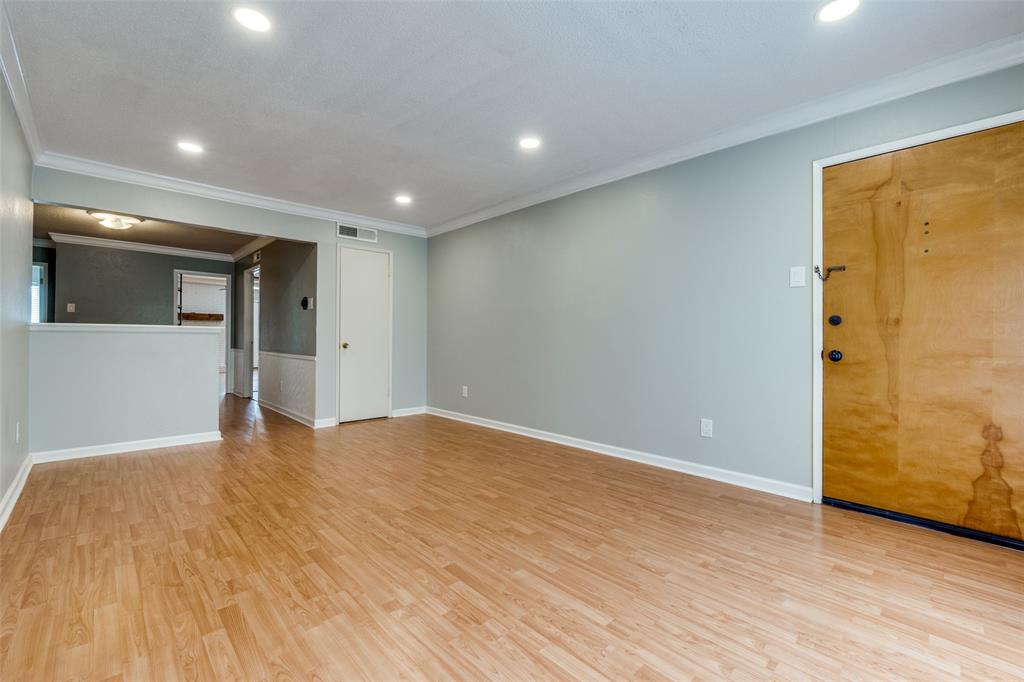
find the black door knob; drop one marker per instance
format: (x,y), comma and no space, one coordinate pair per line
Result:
(835,355)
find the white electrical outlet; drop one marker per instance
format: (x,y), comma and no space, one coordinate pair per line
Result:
(706,428)
(465,391)
(71,307)
(17,432)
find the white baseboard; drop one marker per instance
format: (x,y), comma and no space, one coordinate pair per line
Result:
(291,414)
(408,411)
(125,446)
(766,485)
(324,423)
(13,492)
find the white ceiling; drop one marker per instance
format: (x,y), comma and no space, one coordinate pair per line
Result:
(342,105)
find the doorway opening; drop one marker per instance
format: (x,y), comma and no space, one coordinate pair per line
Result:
(917,340)
(202,299)
(250,381)
(40,292)
(364,333)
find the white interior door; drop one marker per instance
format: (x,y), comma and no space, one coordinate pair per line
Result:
(364,314)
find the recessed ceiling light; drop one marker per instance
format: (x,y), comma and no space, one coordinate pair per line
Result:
(403,199)
(529,142)
(190,147)
(252,20)
(115,221)
(838,9)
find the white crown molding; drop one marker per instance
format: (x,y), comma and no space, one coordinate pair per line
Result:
(10,64)
(766,485)
(106,171)
(135,246)
(961,66)
(100,328)
(252,247)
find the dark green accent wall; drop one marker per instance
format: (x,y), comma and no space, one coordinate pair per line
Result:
(114,286)
(48,255)
(287,274)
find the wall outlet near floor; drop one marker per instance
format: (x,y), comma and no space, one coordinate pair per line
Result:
(705,428)
(71,307)
(17,432)
(465,391)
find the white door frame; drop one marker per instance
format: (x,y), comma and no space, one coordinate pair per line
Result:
(44,290)
(229,293)
(817,236)
(391,323)
(244,382)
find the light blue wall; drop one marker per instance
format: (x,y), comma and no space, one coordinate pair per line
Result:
(94,385)
(15,297)
(409,352)
(409,367)
(624,313)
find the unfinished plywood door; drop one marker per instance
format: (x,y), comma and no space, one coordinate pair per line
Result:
(924,411)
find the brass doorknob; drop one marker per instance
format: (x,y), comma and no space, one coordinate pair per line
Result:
(345,344)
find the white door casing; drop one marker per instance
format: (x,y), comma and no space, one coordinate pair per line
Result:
(243,383)
(364,333)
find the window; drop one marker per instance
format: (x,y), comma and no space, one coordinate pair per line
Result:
(38,292)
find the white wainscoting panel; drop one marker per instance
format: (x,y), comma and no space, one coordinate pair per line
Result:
(237,372)
(288,385)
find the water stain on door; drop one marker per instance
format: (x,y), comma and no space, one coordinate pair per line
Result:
(932,338)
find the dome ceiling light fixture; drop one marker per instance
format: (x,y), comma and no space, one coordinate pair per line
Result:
(115,221)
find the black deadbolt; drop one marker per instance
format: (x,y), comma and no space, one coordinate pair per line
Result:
(835,355)
(835,320)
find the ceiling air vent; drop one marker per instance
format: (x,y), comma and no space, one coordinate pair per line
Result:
(363,234)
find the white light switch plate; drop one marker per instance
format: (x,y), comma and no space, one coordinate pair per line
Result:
(798,276)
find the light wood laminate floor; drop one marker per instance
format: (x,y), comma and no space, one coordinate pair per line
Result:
(423,548)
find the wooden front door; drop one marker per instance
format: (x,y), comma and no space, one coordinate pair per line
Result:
(924,411)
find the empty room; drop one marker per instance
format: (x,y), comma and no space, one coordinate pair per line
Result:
(512,340)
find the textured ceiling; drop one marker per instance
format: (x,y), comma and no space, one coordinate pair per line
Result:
(341,105)
(66,220)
